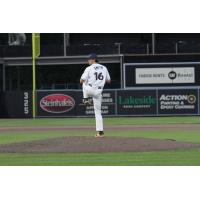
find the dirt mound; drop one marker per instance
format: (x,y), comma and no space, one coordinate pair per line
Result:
(90,144)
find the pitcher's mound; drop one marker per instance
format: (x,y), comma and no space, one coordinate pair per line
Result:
(89,144)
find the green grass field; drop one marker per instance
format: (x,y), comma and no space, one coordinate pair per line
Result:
(179,157)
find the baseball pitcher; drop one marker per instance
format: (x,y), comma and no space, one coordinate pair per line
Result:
(93,80)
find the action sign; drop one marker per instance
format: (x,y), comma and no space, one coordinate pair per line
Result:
(178,101)
(164,75)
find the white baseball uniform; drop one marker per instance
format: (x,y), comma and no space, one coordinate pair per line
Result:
(95,77)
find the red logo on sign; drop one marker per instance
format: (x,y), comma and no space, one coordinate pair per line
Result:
(57,103)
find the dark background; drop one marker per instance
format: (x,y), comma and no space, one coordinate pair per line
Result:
(134,47)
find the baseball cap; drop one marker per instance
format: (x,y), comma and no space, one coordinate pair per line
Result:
(92,56)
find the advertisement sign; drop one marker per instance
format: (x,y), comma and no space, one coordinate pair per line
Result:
(54,103)
(108,104)
(137,102)
(165,75)
(178,101)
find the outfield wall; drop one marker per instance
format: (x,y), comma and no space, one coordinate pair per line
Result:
(151,102)
(17,104)
(137,102)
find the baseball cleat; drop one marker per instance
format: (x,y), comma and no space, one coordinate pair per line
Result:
(100,134)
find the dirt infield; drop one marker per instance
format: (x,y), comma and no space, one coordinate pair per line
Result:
(109,128)
(95,145)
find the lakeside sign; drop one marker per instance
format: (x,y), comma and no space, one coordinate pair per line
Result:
(136,102)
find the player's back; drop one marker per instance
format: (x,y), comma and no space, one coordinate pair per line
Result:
(98,74)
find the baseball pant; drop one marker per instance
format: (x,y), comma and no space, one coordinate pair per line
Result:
(96,94)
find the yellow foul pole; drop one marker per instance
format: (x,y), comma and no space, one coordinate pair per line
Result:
(35,54)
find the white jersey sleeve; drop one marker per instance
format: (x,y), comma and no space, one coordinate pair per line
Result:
(107,75)
(85,75)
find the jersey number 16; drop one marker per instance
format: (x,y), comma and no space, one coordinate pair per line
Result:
(98,76)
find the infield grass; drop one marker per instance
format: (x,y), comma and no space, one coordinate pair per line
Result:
(166,158)
(90,121)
